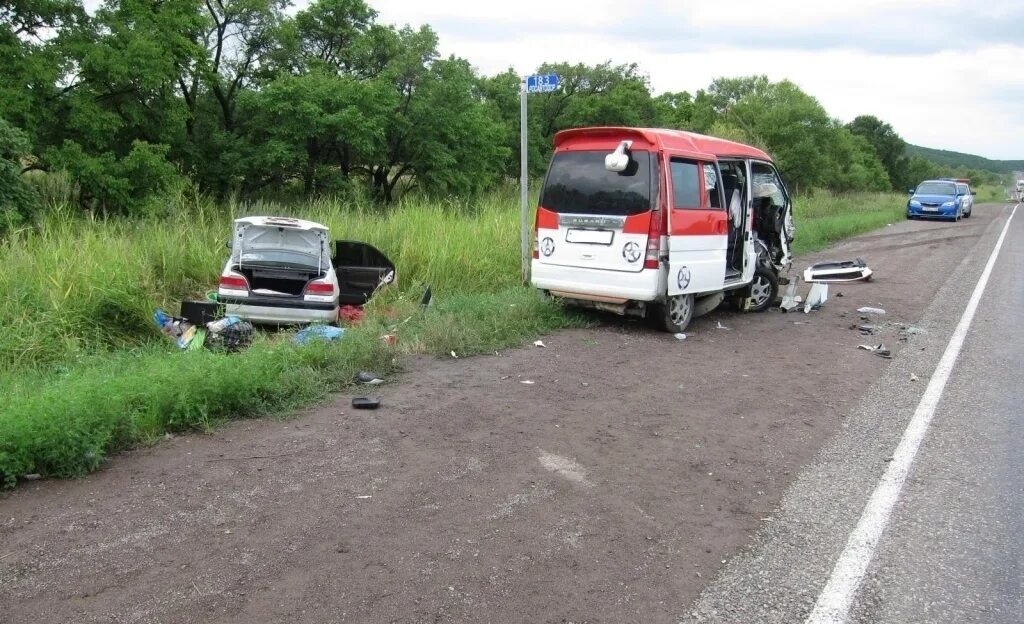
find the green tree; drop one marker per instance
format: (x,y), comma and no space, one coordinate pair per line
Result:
(887,144)
(18,199)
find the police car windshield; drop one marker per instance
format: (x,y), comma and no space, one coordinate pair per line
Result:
(578,183)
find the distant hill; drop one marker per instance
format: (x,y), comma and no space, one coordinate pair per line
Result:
(971,161)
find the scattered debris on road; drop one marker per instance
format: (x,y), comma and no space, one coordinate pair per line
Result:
(790,300)
(527,382)
(843,271)
(365,403)
(680,336)
(720,326)
(913,377)
(455,357)
(878,350)
(870,310)
(816,298)
(539,343)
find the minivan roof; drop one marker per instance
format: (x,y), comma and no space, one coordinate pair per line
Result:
(689,143)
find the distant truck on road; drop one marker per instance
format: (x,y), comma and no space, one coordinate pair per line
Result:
(1020,189)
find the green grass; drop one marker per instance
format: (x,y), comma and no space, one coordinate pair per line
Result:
(85,374)
(823,219)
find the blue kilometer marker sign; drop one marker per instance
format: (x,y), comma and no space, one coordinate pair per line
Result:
(542,84)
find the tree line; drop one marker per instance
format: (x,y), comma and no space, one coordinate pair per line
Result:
(241,97)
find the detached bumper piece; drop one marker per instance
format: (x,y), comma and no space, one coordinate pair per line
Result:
(845,271)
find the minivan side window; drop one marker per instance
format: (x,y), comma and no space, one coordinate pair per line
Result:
(686,183)
(711,185)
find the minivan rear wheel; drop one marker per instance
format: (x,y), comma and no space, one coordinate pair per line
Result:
(676,313)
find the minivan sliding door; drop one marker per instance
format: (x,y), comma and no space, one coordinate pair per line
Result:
(698,228)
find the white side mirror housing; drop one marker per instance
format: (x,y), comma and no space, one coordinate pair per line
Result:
(618,160)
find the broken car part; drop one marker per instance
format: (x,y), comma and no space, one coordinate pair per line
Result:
(843,271)
(789,299)
(817,297)
(870,310)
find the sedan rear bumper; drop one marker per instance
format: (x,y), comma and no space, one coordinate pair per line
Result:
(280,312)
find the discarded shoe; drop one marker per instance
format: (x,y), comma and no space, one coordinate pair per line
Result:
(368,378)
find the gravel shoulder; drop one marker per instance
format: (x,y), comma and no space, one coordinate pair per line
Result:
(611,489)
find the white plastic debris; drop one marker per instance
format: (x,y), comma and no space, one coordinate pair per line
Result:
(454,356)
(817,297)
(680,336)
(790,299)
(539,343)
(870,310)
(720,326)
(527,382)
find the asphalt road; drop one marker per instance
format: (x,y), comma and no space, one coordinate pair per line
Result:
(953,550)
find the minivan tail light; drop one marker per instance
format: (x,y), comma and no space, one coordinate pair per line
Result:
(651,259)
(320,288)
(234,282)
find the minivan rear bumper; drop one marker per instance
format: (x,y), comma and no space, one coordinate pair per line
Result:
(598,284)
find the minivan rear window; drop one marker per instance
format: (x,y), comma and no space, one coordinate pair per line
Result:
(578,183)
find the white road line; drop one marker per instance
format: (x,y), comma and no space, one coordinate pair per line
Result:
(836,598)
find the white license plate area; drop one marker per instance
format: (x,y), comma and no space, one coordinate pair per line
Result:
(590,237)
(930,208)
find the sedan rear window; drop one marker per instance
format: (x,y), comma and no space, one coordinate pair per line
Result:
(578,183)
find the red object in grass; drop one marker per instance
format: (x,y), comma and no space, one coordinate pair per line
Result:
(351,314)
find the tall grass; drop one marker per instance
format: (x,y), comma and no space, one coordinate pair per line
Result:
(84,372)
(73,286)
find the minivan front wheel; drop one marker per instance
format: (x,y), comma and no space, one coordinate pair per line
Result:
(676,313)
(763,289)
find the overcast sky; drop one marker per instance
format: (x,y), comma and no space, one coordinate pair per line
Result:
(945,73)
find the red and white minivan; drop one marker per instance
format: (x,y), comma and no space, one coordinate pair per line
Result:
(660,223)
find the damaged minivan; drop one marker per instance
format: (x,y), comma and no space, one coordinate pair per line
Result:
(286,271)
(661,223)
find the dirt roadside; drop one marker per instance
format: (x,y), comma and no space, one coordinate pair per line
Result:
(609,490)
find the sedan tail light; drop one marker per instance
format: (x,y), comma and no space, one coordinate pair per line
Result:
(234,281)
(320,288)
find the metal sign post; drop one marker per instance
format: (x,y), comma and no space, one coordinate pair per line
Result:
(524,217)
(532,84)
